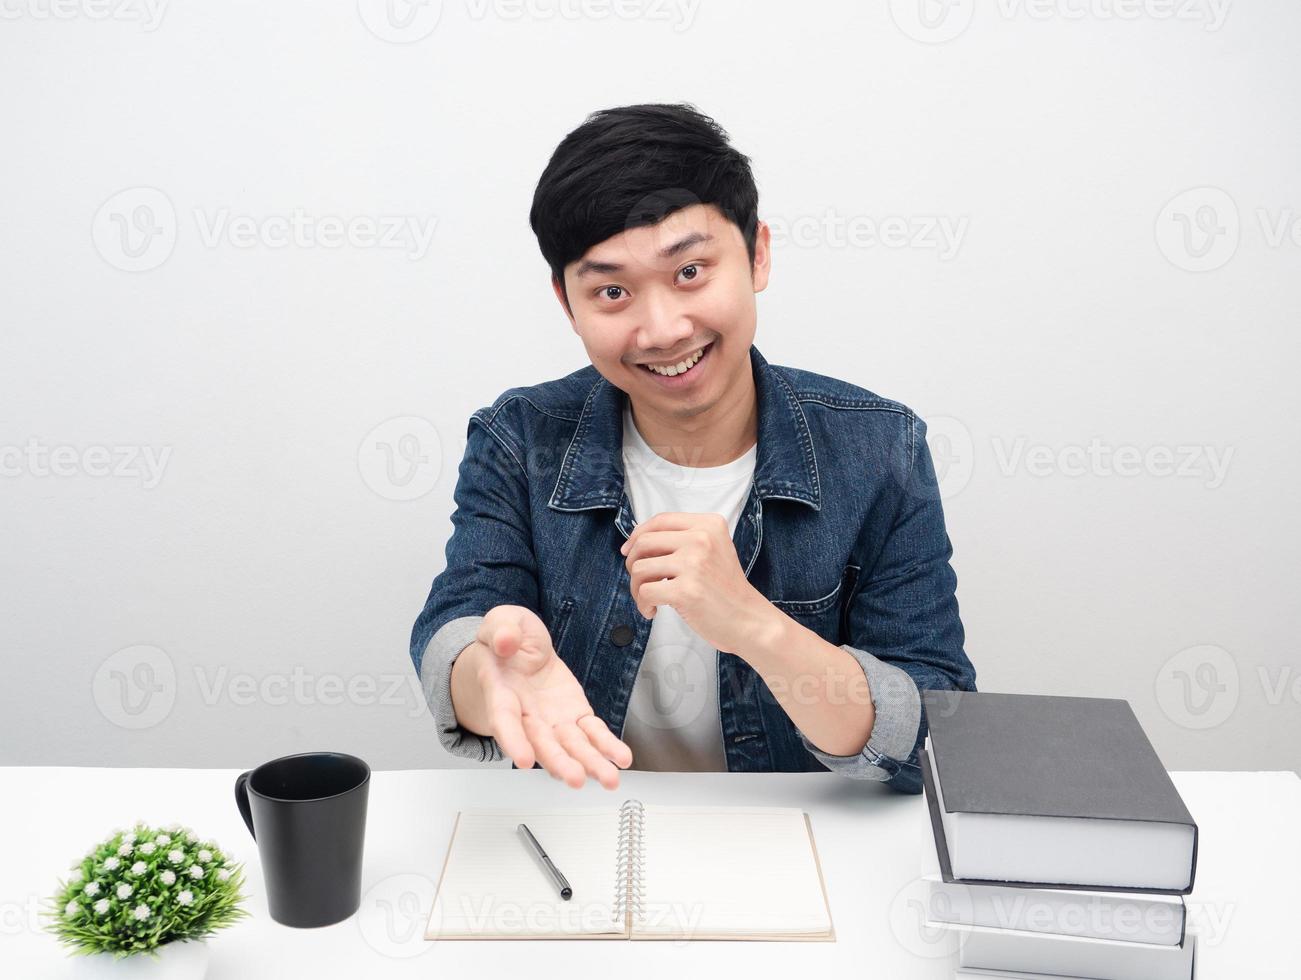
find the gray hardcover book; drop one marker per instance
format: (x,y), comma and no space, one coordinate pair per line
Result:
(1036,790)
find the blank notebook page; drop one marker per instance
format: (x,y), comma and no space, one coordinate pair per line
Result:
(730,871)
(493,886)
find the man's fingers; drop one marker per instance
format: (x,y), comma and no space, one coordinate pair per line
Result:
(502,638)
(508,729)
(599,734)
(553,757)
(576,743)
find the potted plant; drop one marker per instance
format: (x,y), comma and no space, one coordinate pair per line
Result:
(142,903)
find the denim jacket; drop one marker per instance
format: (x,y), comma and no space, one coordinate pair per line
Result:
(842,530)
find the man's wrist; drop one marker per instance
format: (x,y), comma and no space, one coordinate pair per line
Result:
(769,635)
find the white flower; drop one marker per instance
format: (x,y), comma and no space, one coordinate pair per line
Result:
(92,888)
(192,837)
(124,890)
(176,856)
(223,874)
(110,864)
(101,906)
(162,840)
(148,847)
(130,838)
(138,868)
(185,898)
(141,912)
(168,876)
(196,871)
(76,875)
(205,855)
(72,908)
(125,849)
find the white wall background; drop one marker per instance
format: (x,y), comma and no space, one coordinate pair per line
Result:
(1082,362)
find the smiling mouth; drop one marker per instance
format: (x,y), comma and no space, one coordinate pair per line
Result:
(682,366)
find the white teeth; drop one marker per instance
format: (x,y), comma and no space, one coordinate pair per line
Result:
(680,367)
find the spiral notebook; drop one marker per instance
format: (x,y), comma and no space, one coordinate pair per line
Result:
(637,872)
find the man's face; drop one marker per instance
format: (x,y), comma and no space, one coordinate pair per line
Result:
(660,293)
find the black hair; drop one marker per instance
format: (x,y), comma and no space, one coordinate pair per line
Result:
(632,166)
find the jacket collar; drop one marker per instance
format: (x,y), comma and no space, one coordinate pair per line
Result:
(785,466)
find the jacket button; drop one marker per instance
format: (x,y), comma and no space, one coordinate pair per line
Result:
(621,635)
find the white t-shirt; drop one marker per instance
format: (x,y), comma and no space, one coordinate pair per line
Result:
(673,722)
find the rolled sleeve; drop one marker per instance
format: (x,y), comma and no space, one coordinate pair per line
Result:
(898,708)
(436,682)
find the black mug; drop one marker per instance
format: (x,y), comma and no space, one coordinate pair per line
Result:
(307,813)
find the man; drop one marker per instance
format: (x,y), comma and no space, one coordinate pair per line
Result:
(732,565)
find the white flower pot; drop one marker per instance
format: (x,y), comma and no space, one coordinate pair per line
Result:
(174,961)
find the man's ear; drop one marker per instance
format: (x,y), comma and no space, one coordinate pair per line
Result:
(559,289)
(762,256)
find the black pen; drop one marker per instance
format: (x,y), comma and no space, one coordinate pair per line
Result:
(565,891)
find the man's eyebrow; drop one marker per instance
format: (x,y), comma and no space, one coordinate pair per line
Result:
(592,267)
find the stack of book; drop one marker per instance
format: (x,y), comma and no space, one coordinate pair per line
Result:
(1063,847)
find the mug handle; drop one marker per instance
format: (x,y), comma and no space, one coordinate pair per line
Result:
(241,800)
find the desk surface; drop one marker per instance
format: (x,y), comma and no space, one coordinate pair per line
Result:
(870,840)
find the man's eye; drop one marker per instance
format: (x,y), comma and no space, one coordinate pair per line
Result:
(693,269)
(606,292)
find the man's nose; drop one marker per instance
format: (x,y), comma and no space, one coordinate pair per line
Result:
(664,325)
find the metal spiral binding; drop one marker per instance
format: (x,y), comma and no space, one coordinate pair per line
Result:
(629,857)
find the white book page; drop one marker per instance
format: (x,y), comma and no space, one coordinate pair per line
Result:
(729,871)
(492,886)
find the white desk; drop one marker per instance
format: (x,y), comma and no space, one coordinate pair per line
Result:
(870,841)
